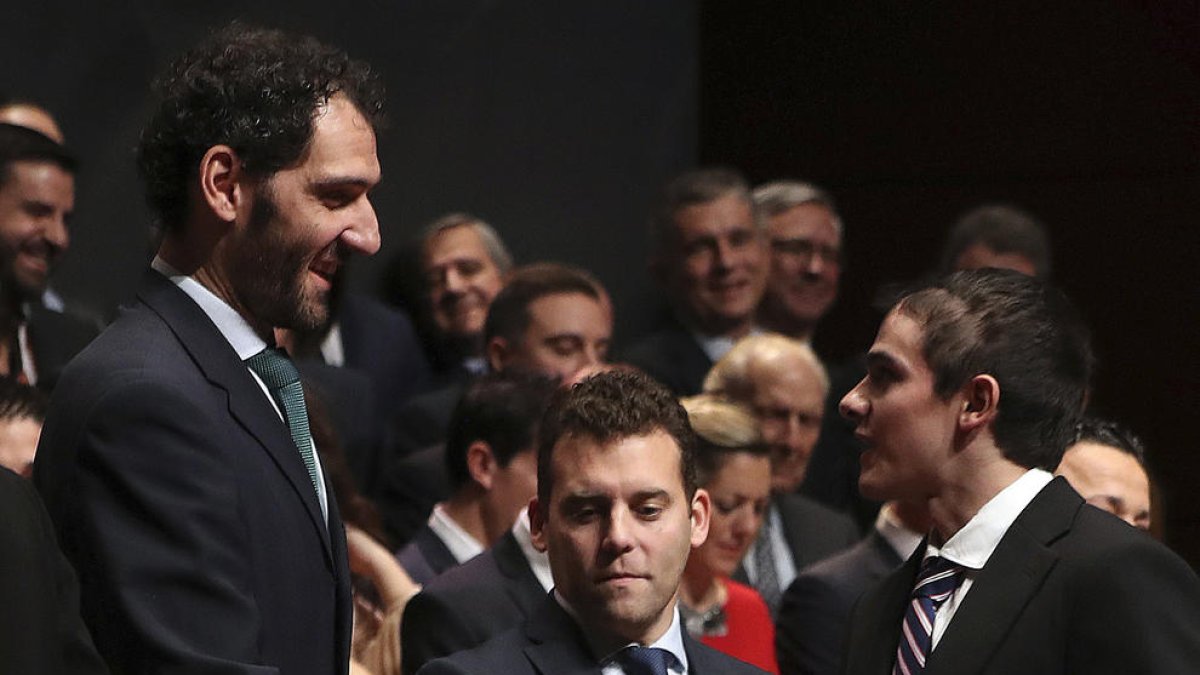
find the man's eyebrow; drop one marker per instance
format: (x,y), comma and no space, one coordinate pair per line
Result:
(342,181)
(647,495)
(880,358)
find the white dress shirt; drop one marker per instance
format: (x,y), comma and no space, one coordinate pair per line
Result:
(459,542)
(973,545)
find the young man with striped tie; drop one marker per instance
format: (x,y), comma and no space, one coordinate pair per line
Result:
(973,387)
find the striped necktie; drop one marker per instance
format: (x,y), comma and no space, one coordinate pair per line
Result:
(283,381)
(936,582)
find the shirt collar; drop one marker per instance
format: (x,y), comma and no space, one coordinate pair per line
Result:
(902,540)
(538,561)
(716,346)
(973,545)
(460,543)
(233,326)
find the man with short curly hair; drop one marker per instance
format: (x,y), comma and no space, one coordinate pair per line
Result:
(177,462)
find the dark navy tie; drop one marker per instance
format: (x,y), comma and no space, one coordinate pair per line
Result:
(645,661)
(936,582)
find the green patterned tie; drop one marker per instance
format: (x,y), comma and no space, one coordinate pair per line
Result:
(283,380)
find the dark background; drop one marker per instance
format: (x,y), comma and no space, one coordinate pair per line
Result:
(557,121)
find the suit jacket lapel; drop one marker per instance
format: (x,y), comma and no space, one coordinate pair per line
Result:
(221,366)
(525,590)
(1011,577)
(876,625)
(556,644)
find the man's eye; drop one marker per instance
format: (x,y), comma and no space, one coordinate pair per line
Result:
(725,507)
(649,511)
(584,515)
(565,346)
(469,268)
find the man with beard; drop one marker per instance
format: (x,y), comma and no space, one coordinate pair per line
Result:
(37,198)
(617,512)
(176,459)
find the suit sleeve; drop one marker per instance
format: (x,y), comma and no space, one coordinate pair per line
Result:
(1136,610)
(810,628)
(157,536)
(432,629)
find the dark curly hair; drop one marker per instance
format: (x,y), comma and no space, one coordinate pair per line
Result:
(256,90)
(610,407)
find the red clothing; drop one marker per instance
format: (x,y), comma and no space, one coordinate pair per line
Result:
(751,635)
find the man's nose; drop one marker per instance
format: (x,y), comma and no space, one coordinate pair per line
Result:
(618,537)
(362,234)
(853,405)
(56,232)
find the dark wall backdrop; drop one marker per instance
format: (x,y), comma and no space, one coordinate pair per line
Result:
(1085,112)
(558,120)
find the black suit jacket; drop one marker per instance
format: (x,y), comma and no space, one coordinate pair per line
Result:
(380,342)
(812,531)
(185,507)
(469,604)
(1069,589)
(40,629)
(54,339)
(673,357)
(551,643)
(426,556)
(424,419)
(815,611)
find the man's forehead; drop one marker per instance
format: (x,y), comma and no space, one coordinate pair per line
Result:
(452,244)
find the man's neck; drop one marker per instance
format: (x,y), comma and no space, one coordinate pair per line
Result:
(699,589)
(198,264)
(961,498)
(467,513)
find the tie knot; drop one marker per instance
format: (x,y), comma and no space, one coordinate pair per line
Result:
(938,579)
(274,367)
(639,660)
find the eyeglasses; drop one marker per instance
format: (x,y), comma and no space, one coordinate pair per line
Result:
(805,249)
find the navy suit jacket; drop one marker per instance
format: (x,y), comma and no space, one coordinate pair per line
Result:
(467,605)
(815,611)
(1069,589)
(426,556)
(54,339)
(412,487)
(551,643)
(185,507)
(380,342)
(673,357)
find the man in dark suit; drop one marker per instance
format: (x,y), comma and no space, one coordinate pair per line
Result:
(815,611)
(40,631)
(176,460)
(617,512)
(710,256)
(974,386)
(491,464)
(38,334)
(468,605)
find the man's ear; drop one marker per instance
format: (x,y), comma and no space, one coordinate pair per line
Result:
(499,353)
(482,464)
(537,525)
(221,177)
(701,516)
(981,401)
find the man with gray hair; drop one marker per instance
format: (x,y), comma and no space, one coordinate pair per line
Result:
(463,266)
(710,256)
(783,382)
(805,234)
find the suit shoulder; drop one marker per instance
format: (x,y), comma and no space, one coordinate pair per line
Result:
(836,522)
(502,654)
(704,660)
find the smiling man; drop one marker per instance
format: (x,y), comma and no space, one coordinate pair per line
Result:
(176,459)
(710,257)
(617,513)
(973,389)
(37,200)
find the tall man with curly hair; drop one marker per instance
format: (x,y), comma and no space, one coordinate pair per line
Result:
(176,459)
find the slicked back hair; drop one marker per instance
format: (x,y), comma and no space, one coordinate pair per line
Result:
(500,409)
(19,144)
(610,407)
(1110,434)
(508,315)
(256,90)
(1022,332)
